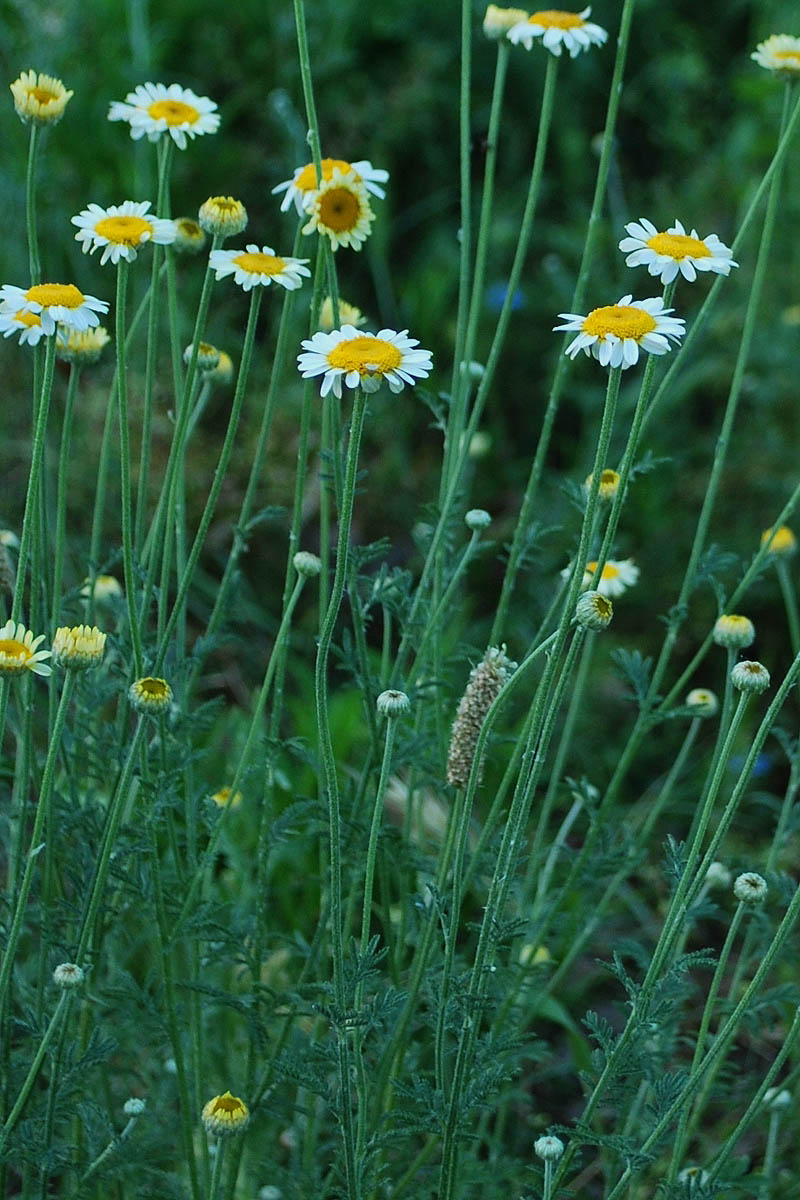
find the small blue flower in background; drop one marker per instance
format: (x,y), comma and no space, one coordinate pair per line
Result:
(496,294)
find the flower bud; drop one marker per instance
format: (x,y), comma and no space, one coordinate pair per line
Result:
(548,1148)
(68,976)
(594,611)
(750,888)
(307,564)
(750,677)
(702,702)
(392,703)
(733,631)
(477,518)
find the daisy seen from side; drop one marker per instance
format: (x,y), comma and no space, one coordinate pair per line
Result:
(779,53)
(301,187)
(121,230)
(153,109)
(39,98)
(19,651)
(258,266)
(675,250)
(27,324)
(340,210)
(53,303)
(615,333)
(363,360)
(558,29)
(615,578)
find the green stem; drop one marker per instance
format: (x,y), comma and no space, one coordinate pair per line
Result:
(33,1071)
(30,524)
(125,468)
(219,478)
(34,262)
(593,229)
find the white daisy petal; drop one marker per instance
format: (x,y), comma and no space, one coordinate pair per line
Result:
(362,359)
(154,109)
(121,229)
(665,254)
(302,187)
(258,266)
(615,333)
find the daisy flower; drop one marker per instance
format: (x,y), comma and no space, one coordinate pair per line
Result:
(39,98)
(363,360)
(301,187)
(615,332)
(781,541)
(18,651)
(53,303)
(225,1114)
(615,578)
(155,108)
(27,324)
(83,347)
(340,210)
(348,314)
(665,254)
(223,215)
(121,230)
(557,29)
(258,265)
(780,53)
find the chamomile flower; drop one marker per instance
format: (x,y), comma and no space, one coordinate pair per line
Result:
(340,210)
(223,799)
(190,238)
(121,230)
(497,21)
(615,333)
(665,254)
(53,303)
(556,29)
(223,215)
(348,315)
(225,1114)
(615,578)
(155,108)
(779,53)
(27,324)
(301,187)
(363,360)
(780,541)
(258,265)
(82,347)
(79,647)
(150,696)
(39,98)
(18,651)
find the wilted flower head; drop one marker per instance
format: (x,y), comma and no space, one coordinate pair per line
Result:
(38,98)
(485,683)
(594,611)
(750,677)
(68,975)
(750,888)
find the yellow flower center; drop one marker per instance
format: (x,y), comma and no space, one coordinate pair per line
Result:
(227,1105)
(27,318)
(622,320)
(174,112)
(339,209)
(609,478)
(367,355)
(189,228)
(678,245)
(260,264)
(158,689)
(50,295)
(16,651)
(609,570)
(43,95)
(124,231)
(307,179)
(553,18)
(791,56)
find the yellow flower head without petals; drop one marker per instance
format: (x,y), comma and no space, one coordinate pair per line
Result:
(79,647)
(781,540)
(225,1115)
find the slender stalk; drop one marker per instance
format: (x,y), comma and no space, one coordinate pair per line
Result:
(33,1070)
(30,524)
(523,525)
(125,468)
(34,262)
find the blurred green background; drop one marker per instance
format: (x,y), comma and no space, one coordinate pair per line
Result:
(697,125)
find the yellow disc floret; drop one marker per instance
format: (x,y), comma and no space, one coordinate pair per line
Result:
(174,112)
(306,181)
(124,231)
(621,320)
(340,209)
(367,355)
(553,18)
(52,295)
(225,1114)
(678,245)
(260,264)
